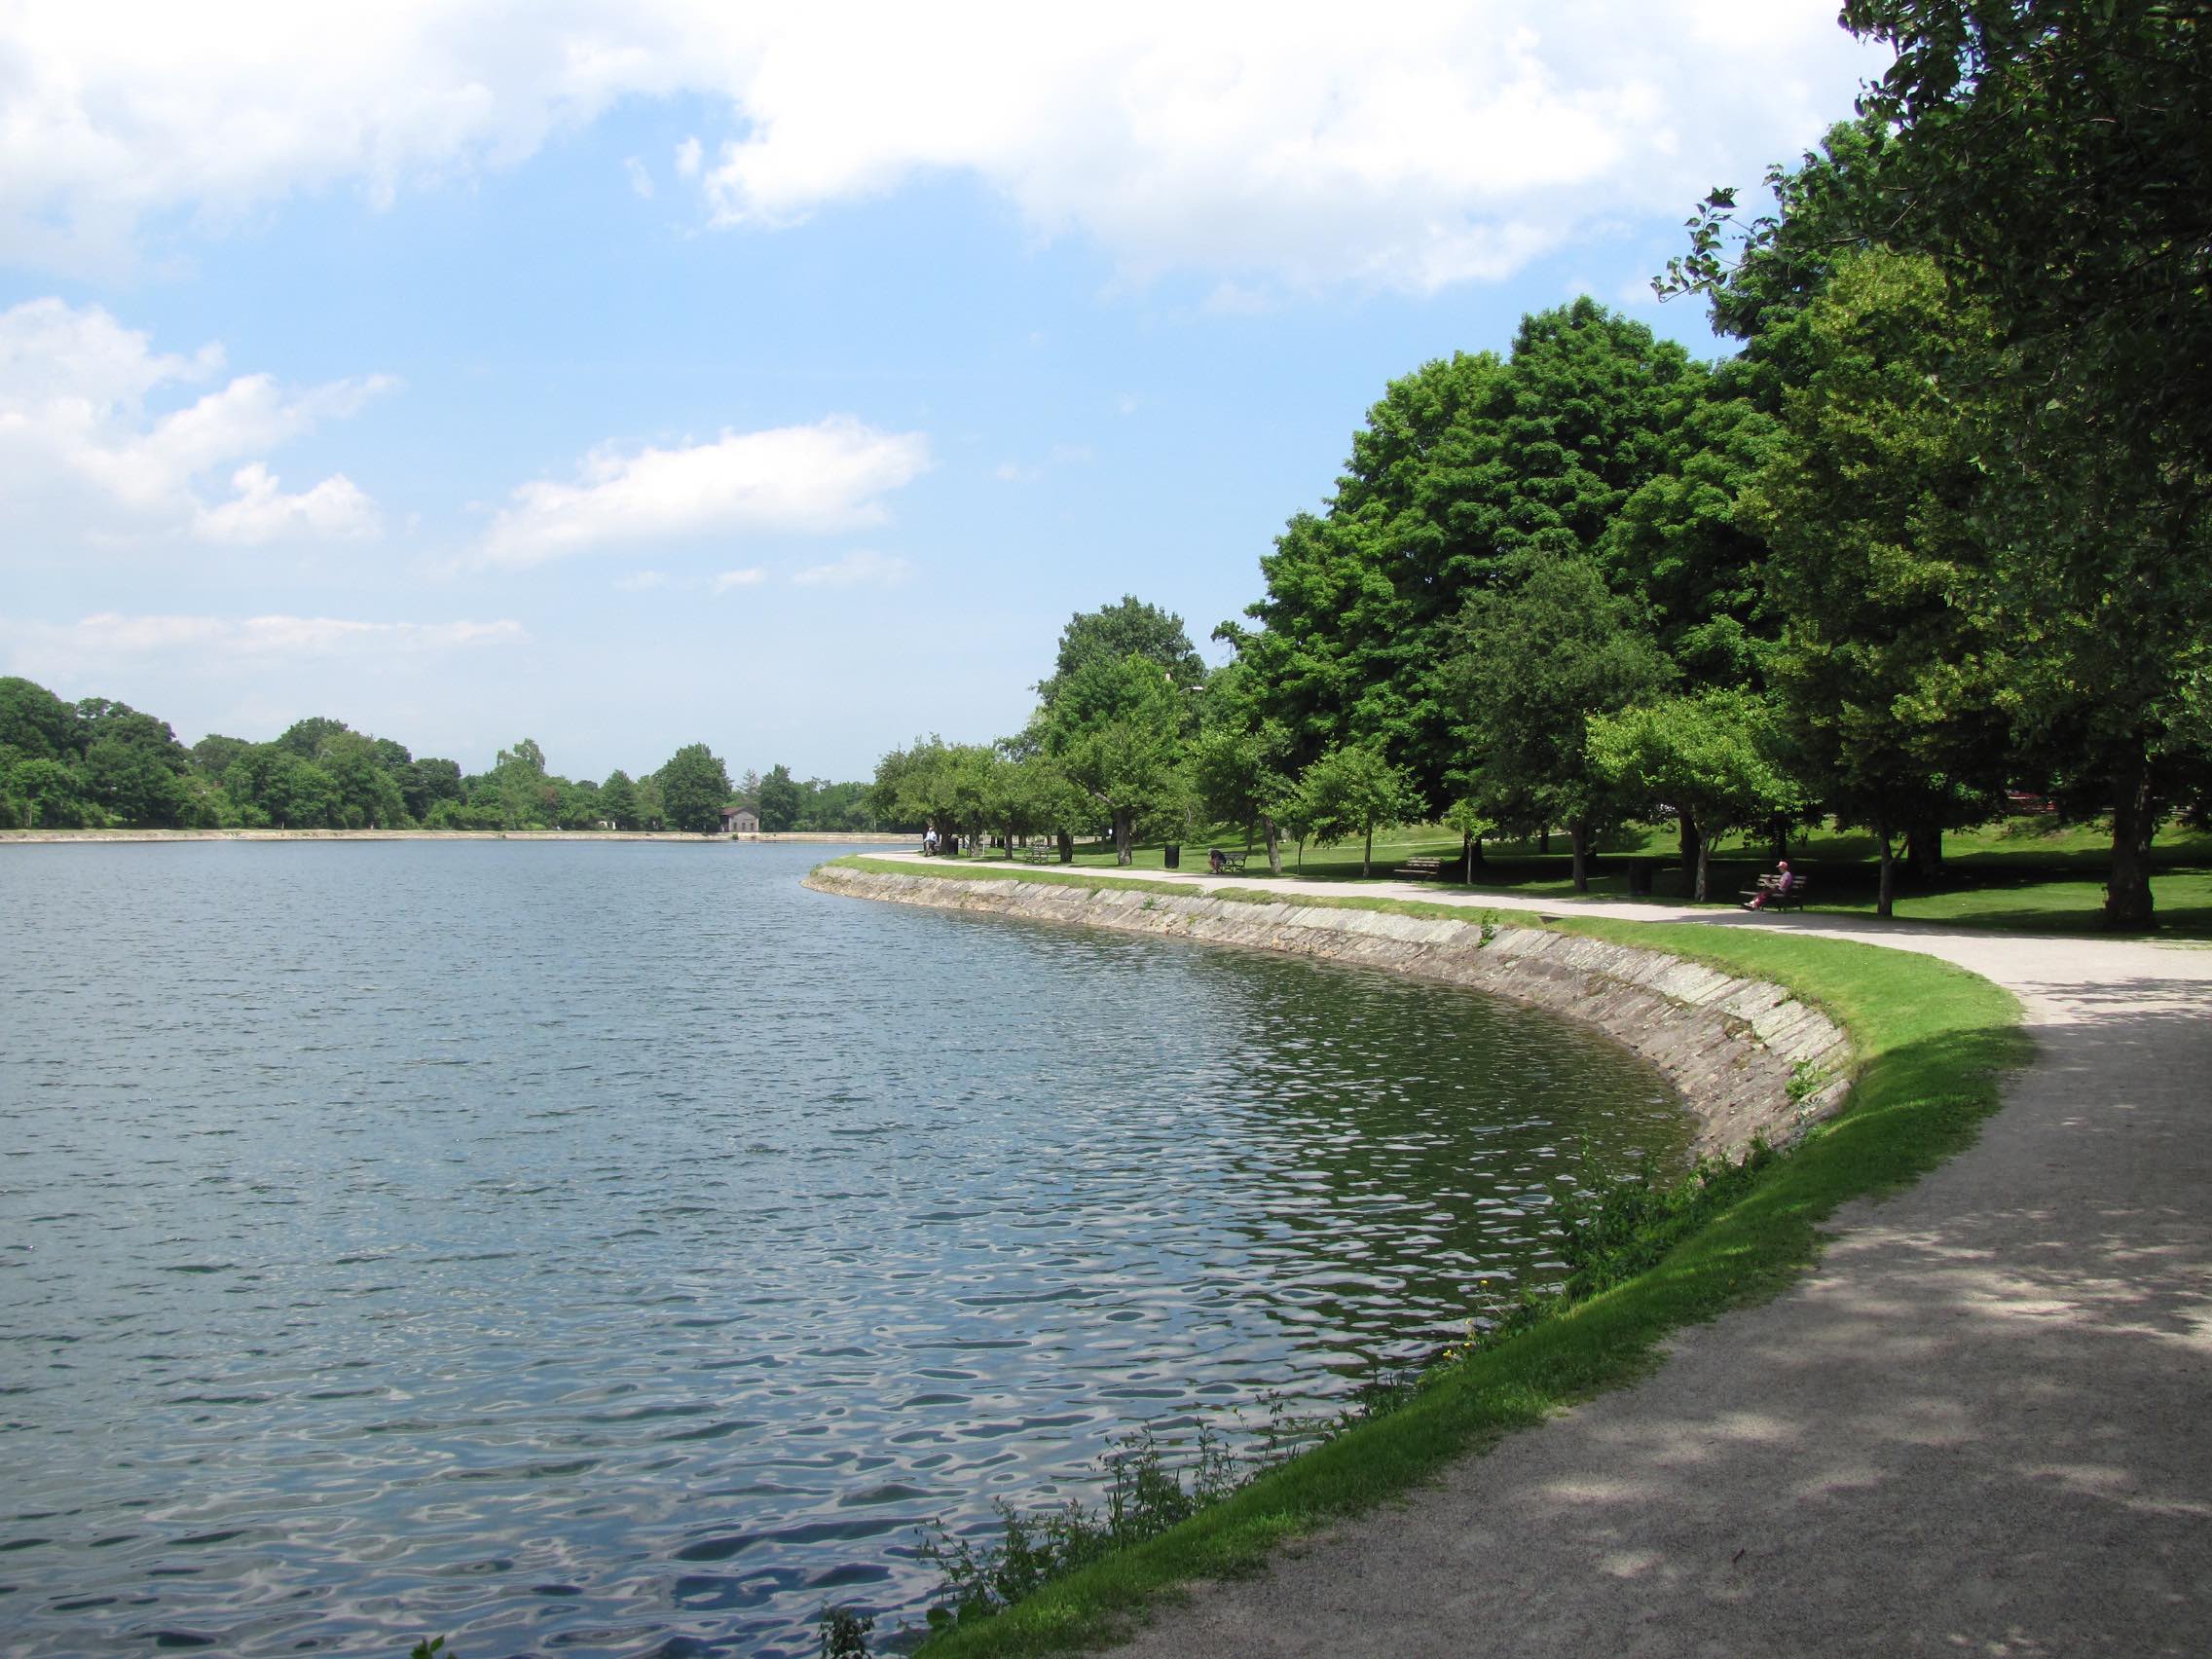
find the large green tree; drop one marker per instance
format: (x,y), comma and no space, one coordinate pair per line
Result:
(694,785)
(1239,764)
(1892,661)
(619,800)
(1716,755)
(779,800)
(1130,627)
(36,725)
(49,794)
(2055,158)
(1117,729)
(271,785)
(1467,472)
(1354,789)
(1534,664)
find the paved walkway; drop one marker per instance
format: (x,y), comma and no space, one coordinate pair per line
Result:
(1981,1426)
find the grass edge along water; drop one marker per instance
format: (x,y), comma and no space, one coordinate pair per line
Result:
(1932,1047)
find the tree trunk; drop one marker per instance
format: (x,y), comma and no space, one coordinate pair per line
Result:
(1478,858)
(1693,852)
(1703,852)
(1924,849)
(1247,839)
(1467,852)
(1545,839)
(1579,834)
(1274,846)
(1781,839)
(1123,837)
(1888,889)
(1367,855)
(2127,893)
(1067,847)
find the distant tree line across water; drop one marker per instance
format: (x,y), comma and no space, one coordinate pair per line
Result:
(103,764)
(1939,532)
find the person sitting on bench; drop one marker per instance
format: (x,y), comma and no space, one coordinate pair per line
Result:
(1215,861)
(1779,888)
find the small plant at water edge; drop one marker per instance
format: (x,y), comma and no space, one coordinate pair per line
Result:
(844,1634)
(1145,1496)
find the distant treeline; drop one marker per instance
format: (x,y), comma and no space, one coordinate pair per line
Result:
(103,764)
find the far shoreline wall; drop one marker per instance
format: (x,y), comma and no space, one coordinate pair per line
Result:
(809,838)
(1732,1047)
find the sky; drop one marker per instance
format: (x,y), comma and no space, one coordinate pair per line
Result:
(780,377)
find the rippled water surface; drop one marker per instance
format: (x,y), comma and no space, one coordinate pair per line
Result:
(618,1248)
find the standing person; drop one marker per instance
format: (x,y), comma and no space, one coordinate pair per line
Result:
(1782,881)
(929,841)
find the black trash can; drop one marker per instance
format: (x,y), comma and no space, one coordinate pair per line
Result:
(1171,855)
(1640,877)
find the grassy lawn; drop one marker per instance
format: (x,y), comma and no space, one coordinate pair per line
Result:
(1932,1047)
(2023,874)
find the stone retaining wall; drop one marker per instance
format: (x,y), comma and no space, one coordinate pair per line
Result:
(1734,1048)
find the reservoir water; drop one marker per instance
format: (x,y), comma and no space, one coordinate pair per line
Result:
(579,1248)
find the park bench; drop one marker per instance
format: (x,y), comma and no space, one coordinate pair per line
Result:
(1777,897)
(1232,864)
(1423,870)
(1039,851)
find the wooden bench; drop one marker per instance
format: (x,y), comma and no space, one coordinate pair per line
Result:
(1039,851)
(1778,897)
(1232,864)
(1423,870)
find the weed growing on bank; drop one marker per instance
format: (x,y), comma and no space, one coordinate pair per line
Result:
(1146,1493)
(844,1634)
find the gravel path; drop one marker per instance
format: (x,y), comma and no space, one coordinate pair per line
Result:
(1981,1426)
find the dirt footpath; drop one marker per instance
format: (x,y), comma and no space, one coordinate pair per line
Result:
(1981,1426)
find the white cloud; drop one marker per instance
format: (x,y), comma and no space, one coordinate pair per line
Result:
(640,181)
(260,512)
(810,480)
(87,452)
(109,640)
(728,580)
(855,569)
(1268,141)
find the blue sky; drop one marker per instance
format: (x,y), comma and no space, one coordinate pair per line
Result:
(644,375)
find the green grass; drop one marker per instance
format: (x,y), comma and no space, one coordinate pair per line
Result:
(2024,875)
(1932,1045)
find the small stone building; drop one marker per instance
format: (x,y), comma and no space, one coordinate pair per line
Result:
(740,820)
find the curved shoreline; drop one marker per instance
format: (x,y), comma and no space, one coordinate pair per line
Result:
(1973,1423)
(1739,1050)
